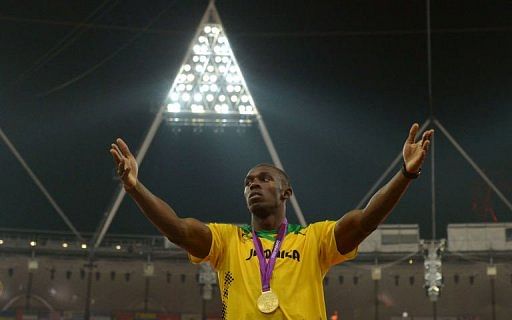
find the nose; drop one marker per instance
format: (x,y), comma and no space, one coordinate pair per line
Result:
(253,184)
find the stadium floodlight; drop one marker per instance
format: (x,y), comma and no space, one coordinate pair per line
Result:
(209,89)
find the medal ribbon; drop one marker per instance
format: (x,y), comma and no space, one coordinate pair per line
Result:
(267,268)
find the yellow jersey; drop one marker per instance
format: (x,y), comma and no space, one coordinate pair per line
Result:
(305,256)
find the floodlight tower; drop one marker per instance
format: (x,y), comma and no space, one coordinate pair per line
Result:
(208,91)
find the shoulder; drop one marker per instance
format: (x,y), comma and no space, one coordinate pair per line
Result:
(227,226)
(322,226)
(222,227)
(226,230)
(314,230)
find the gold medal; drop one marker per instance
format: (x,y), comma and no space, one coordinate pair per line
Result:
(268,302)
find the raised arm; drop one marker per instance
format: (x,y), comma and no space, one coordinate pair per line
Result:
(357,224)
(190,234)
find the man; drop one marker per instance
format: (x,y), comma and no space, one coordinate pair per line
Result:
(270,269)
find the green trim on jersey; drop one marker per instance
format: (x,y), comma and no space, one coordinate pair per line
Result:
(270,234)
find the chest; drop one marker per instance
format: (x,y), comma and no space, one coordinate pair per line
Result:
(296,254)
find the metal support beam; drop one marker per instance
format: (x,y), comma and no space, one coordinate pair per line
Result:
(473,164)
(433,187)
(40,185)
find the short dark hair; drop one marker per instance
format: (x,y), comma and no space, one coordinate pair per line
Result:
(284,176)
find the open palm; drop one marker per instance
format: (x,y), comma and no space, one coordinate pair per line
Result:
(414,152)
(126,165)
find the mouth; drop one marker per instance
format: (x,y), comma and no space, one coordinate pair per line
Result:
(254,194)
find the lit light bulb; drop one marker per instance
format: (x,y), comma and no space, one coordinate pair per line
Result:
(173,107)
(174,96)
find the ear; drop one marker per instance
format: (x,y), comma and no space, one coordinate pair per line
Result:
(287,193)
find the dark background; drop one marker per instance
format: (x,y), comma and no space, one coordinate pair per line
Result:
(338,83)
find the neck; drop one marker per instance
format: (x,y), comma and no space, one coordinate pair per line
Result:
(270,222)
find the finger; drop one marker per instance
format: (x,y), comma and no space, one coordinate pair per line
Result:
(123,147)
(424,137)
(115,146)
(427,136)
(116,155)
(425,145)
(412,133)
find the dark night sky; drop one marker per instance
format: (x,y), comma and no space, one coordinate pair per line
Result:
(338,83)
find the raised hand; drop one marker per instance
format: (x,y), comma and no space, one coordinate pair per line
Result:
(126,165)
(414,152)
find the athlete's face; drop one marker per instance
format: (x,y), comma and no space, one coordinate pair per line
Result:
(264,190)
